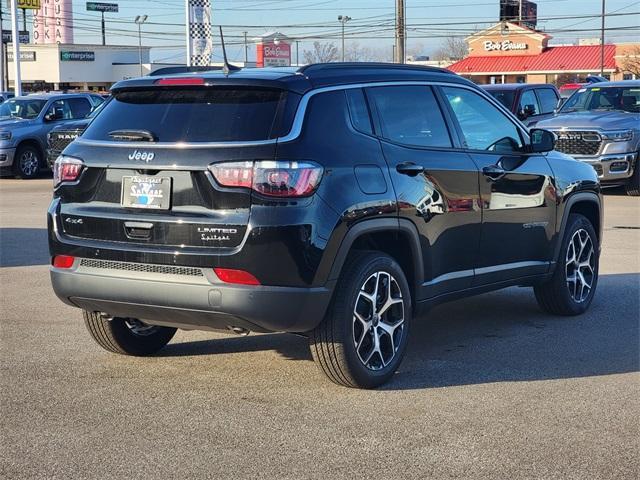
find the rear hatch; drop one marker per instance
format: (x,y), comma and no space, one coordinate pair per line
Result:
(146,179)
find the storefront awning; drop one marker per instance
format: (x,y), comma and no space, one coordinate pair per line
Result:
(552,60)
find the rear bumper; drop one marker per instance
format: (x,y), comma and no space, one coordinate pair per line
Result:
(189,301)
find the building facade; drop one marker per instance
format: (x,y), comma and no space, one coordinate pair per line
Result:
(77,67)
(510,53)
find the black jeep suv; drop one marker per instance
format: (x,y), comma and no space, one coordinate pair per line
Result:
(335,201)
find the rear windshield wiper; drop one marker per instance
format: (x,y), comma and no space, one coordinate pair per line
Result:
(133,135)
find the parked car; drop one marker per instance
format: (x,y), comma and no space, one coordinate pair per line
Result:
(25,122)
(529,102)
(600,125)
(336,201)
(6,96)
(67,132)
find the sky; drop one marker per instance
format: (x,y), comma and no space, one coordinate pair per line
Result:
(429,21)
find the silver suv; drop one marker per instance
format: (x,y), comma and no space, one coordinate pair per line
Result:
(25,122)
(600,124)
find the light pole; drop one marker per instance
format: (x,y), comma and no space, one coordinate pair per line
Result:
(140,19)
(343,19)
(602,39)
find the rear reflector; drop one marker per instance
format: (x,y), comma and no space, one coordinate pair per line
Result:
(63,261)
(239,277)
(179,82)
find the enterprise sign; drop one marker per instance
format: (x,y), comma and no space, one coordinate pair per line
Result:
(504,46)
(67,56)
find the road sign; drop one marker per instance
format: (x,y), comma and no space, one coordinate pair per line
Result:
(72,56)
(7,37)
(102,7)
(29,4)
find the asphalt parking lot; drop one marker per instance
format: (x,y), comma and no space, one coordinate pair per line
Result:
(490,388)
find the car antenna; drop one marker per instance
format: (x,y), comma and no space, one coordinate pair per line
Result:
(227,68)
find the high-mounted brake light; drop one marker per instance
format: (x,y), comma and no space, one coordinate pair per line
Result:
(63,261)
(239,277)
(178,82)
(270,178)
(66,169)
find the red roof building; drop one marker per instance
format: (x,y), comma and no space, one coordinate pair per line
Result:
(508,52)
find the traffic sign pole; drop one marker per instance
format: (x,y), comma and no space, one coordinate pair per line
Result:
(104,32)
(17,79)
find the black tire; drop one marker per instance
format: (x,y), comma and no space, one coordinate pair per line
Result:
(117,336)
(333,342)
(27,162)
(633,184)
(558,295)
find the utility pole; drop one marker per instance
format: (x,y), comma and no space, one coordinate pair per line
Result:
(400,31)
(297,53)
(343,19)
(2,65)
(602,40)
(17,78)
(187,22)
(246,49)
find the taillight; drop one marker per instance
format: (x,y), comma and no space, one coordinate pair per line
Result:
(270,178)
(63,261)
(239,277)
(66,169)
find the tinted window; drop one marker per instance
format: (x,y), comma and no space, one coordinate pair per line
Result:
(80,107)
(220,114)
(484,126)
(410,115)
(529,98)
(358,110)
(505,97)
(548,100)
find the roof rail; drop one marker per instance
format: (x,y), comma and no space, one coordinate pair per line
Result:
(313,67)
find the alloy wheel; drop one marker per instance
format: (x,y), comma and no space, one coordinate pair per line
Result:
(378,320)
(580,266)
(29,163)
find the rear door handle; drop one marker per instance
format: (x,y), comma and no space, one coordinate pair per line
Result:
(493,172)
(409,168)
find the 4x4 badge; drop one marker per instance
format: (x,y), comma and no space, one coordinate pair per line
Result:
(139,156)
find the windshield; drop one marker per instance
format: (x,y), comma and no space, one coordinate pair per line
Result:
(22,108)
(625,99)
(505,97)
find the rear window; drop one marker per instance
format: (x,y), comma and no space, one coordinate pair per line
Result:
(219,114)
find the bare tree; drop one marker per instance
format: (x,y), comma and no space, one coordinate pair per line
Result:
(354,52)
(631,62)
(453,48)
(321,53)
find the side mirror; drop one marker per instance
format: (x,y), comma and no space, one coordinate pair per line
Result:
(542,140)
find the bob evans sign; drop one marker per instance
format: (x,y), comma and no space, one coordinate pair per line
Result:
(504,46)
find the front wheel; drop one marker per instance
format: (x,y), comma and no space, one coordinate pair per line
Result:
(363,337)
(27,161)
(126,336)
(573,285)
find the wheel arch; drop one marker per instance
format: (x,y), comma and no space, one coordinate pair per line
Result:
(588,204)
(33,142)
(396,237)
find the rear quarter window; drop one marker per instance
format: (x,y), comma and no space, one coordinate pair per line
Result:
(213,114)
